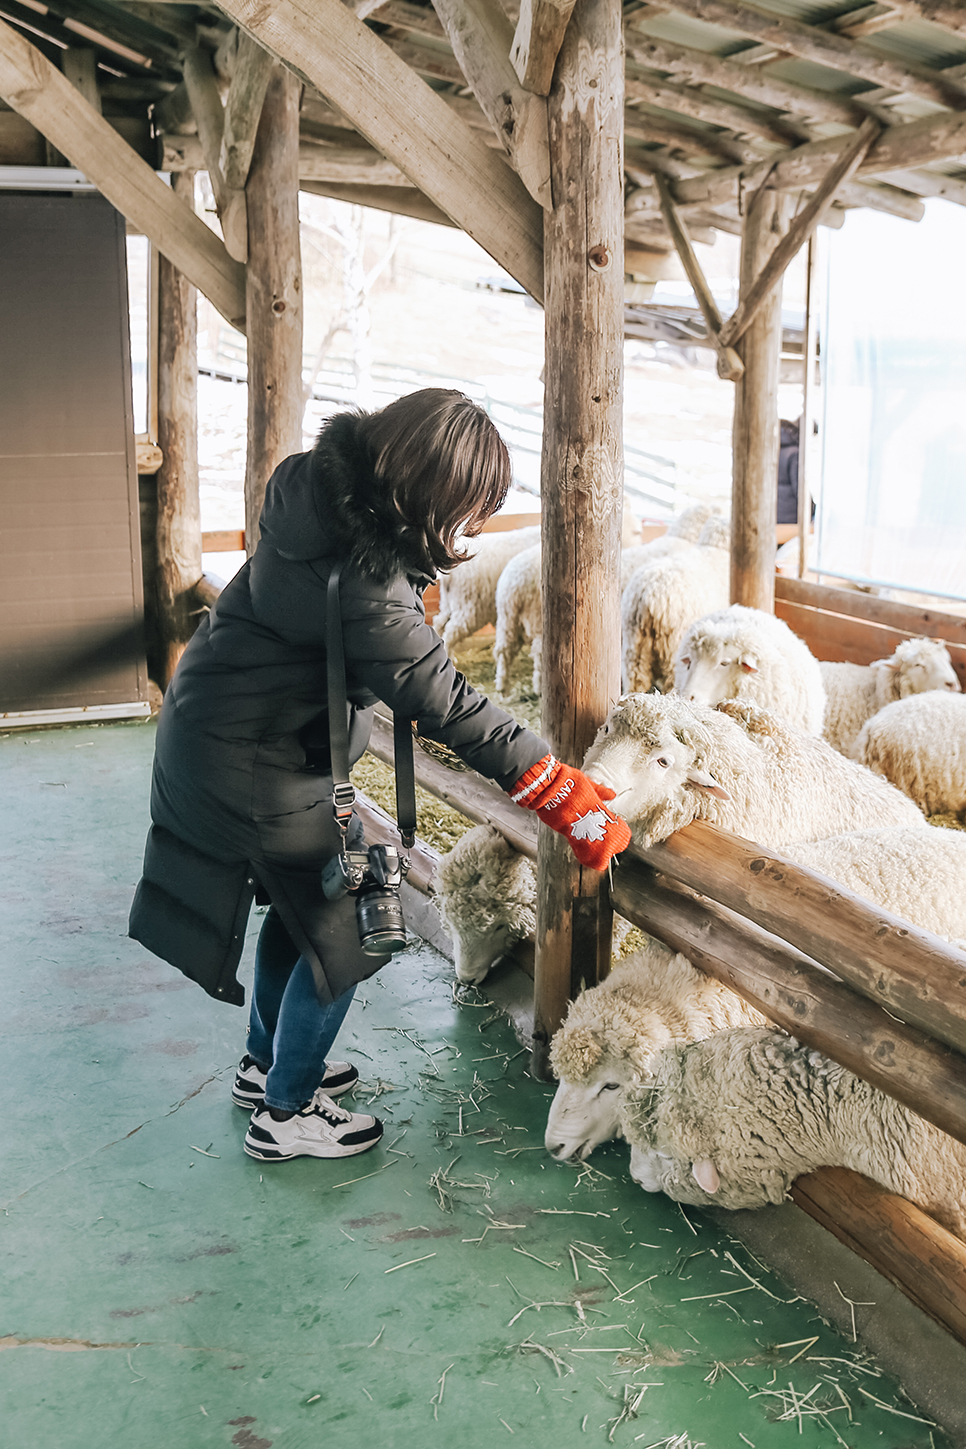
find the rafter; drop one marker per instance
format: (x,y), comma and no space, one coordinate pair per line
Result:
(322,41)
(825,48)
(898,148)
(480,36)
(37,91)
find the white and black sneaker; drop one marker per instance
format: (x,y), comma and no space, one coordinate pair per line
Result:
(248,1091)
(320,1129)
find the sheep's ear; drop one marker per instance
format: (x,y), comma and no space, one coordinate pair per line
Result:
(749,663)
(705,1174)
(704,780)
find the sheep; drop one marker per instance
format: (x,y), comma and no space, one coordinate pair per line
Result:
(671,762)
(612,1030)
(919,744)
(519,616)
(467,596)
(611,1033)
(734,1119)
(663,597)
(855,692)
(519,601)
(741,653)
(486,895)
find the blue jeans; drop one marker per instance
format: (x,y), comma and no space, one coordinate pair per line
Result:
(290,1032)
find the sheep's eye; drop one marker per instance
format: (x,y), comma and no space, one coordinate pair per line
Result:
(664,762)
(686,663)
(611,1087)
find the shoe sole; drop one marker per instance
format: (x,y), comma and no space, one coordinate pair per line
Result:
(266,1152)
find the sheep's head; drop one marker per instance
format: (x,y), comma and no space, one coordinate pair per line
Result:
(603,1049)
(686,1143)
(715,659)
(485,893)
(919,665)
(652,751)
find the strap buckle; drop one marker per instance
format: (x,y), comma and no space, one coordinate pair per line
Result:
(343,798)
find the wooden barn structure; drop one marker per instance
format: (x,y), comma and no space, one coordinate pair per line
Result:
(579,142)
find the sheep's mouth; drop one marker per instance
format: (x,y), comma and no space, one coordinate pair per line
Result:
(573,1154)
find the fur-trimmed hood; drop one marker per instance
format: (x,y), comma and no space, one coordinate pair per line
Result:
(327,503)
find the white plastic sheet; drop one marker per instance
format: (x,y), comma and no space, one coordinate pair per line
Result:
(892,507)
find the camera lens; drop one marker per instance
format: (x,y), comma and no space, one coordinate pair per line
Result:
(379,918)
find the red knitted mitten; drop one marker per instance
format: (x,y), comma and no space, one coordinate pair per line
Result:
(570,803)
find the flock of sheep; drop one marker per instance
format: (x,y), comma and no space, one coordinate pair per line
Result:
(835,765)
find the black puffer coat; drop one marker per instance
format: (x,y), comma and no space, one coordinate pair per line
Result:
(241,792)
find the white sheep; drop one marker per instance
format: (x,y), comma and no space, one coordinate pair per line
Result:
(519,616)
(663,597)
(486,896)
(612,1031)
(519,600)
(467,595)
(671,762)
(733,1120)
(742,653)
(609,1036)
(919,744)
(855,692)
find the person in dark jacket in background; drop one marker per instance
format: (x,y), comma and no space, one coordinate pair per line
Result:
(787,511)
(242,793)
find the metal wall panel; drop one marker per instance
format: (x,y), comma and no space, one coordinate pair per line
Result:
(70,553)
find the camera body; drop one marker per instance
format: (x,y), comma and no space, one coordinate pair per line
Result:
(373,876)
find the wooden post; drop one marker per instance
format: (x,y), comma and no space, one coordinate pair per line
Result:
(274,295)
(178,530)
(582,477)
(755,431)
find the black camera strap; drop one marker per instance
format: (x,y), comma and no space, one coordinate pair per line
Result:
(343,792)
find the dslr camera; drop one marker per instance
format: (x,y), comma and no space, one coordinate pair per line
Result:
(373,876)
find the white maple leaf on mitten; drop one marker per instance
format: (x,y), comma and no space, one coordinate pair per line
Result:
(592,826)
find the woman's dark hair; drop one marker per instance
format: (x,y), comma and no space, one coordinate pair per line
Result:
(441,467)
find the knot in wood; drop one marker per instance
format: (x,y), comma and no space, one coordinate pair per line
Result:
(278,308)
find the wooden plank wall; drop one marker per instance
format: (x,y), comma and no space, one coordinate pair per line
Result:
(841,624)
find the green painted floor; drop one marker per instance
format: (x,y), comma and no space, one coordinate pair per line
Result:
(452,1287)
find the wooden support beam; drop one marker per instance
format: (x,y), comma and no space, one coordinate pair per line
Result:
(37,91)
(582,478)
(359,165)
(912,973)
(399,200)
(250,75)
(80,68)
(537,41)
(799,996)
(199,77)
(755,427)
(801,228)
(730,365)
(178,528)
(825,48)
(404,119)
(689,101)
(480,36)
(274,276)
(908,1247)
